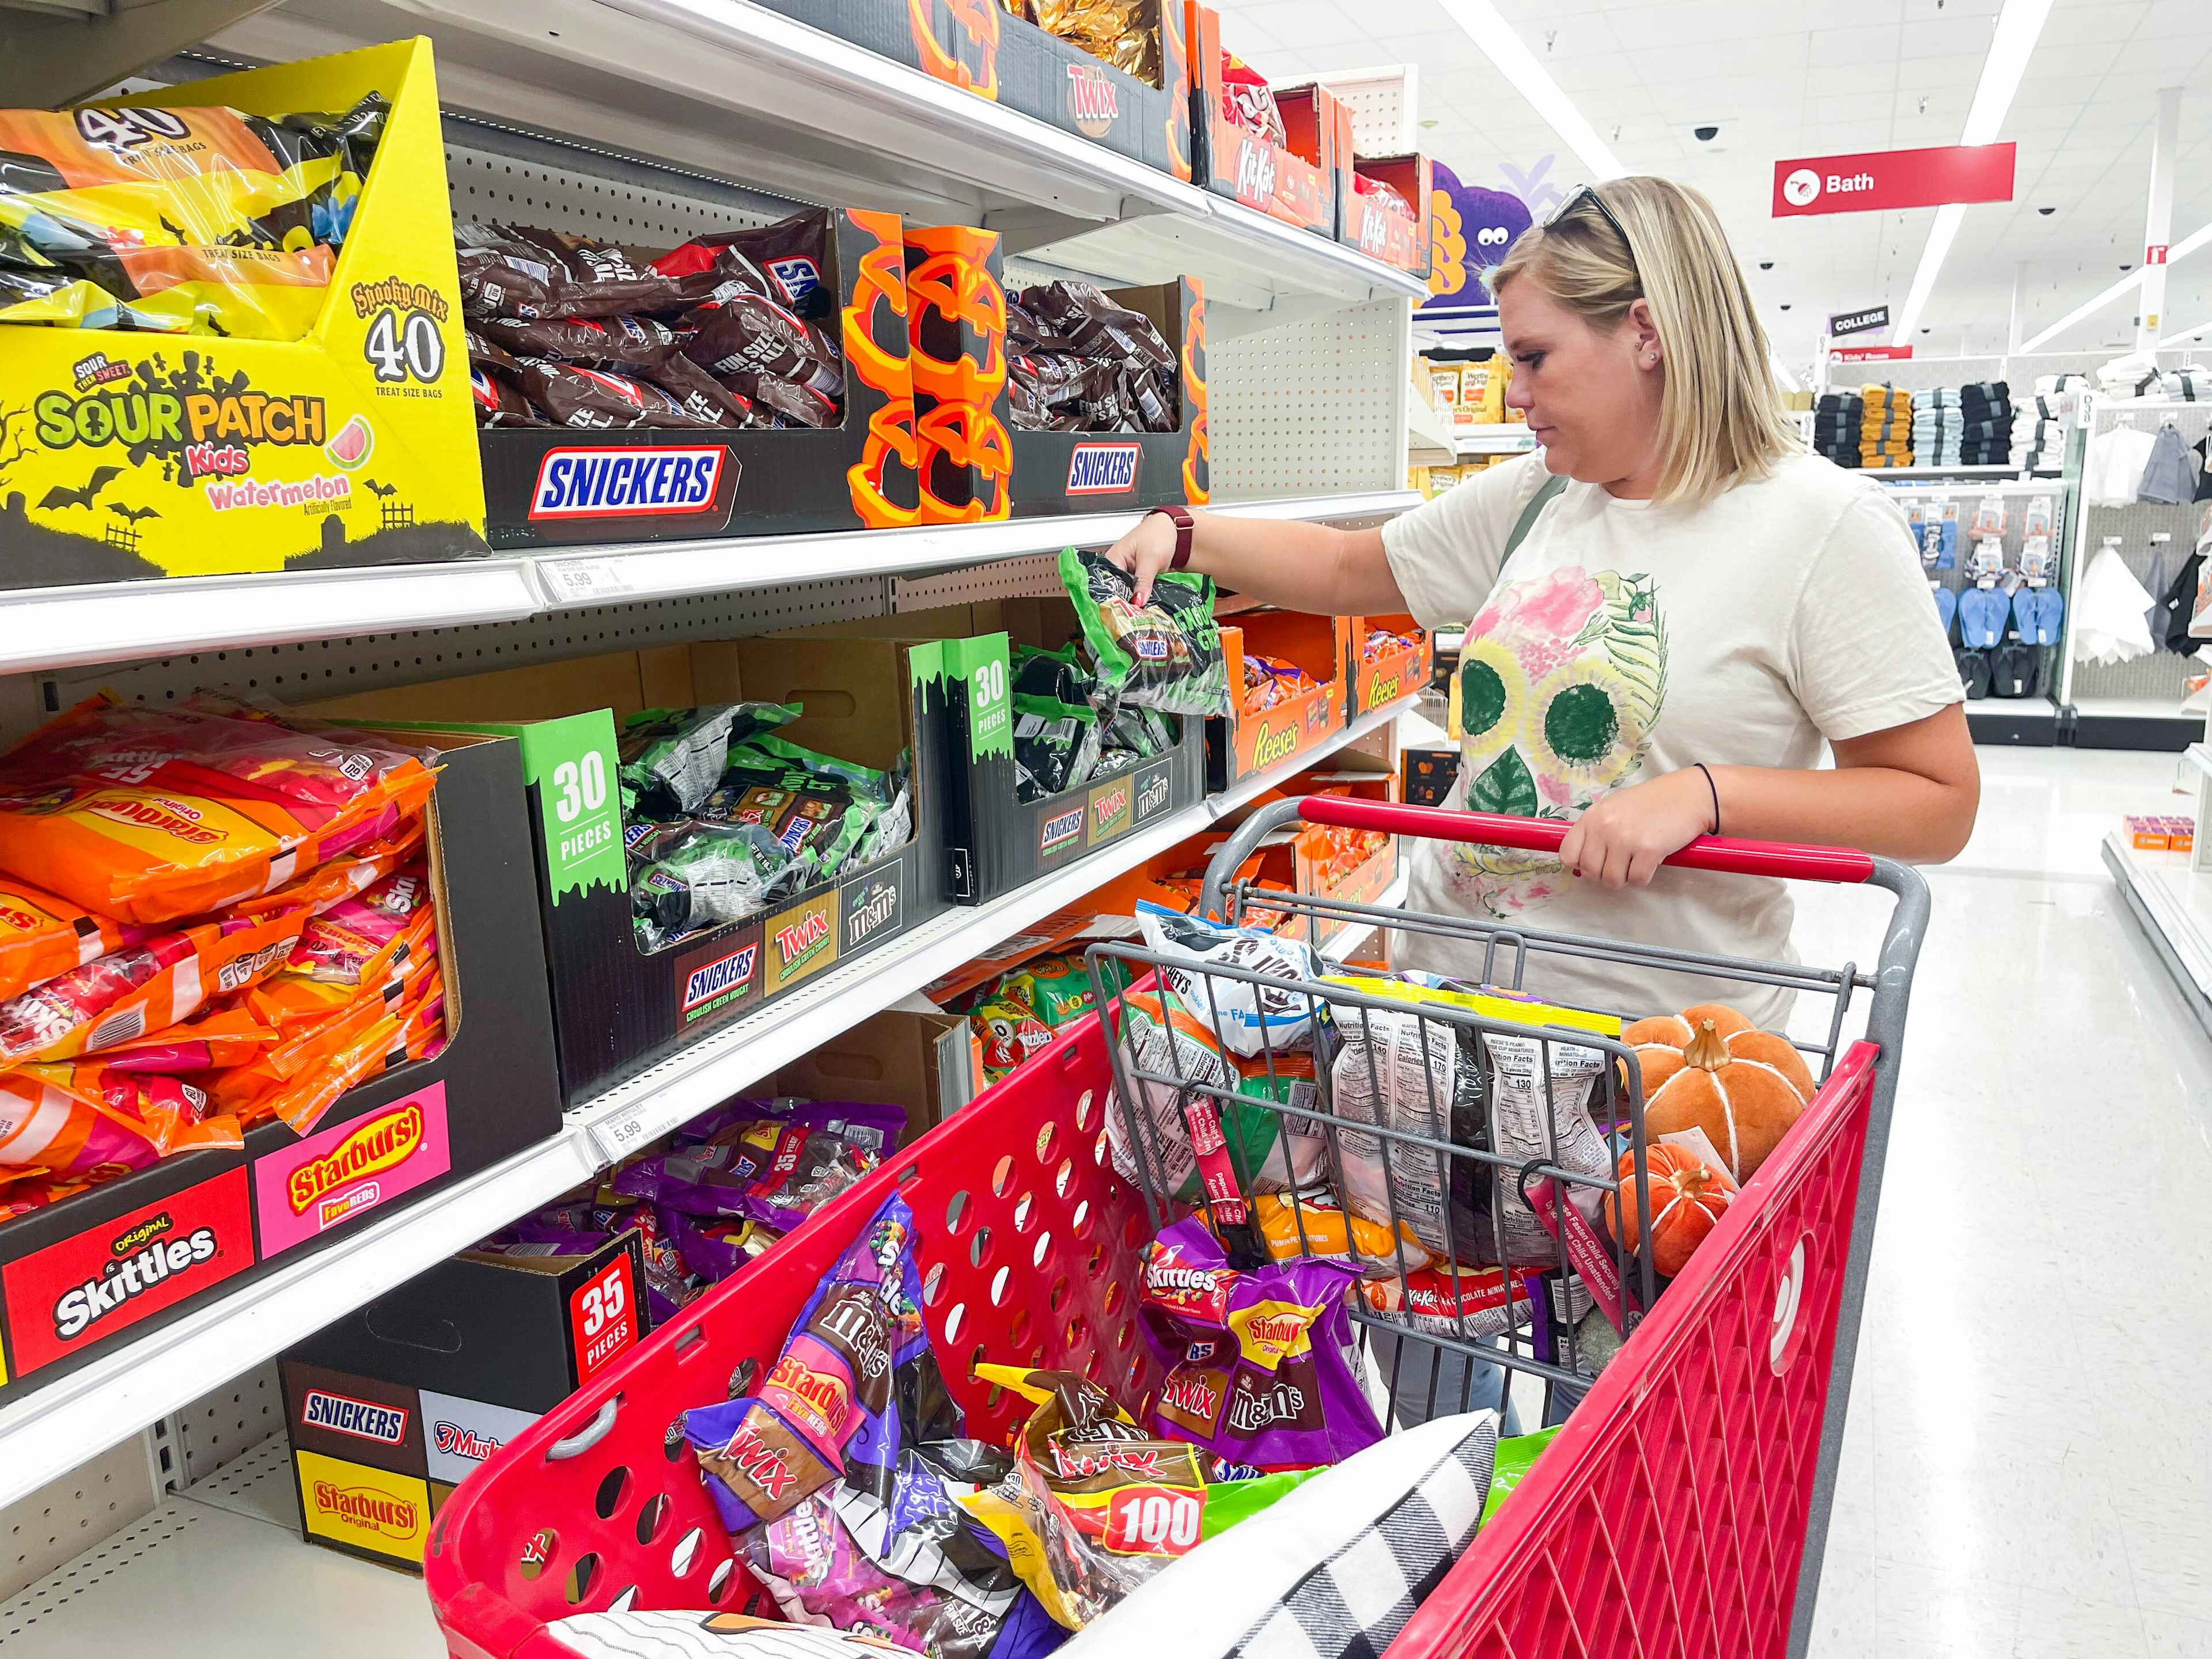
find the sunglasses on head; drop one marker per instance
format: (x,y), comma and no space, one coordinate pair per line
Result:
(1588,193)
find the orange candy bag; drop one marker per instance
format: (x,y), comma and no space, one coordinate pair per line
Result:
(79,1121)
(153,814)
(42,936)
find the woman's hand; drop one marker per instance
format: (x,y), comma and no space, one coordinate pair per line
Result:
(1622,840)
(1147,550)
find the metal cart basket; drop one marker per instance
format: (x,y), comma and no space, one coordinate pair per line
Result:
(1681,1509)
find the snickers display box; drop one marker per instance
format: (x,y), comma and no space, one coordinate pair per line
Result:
(1059,472)
(390,1408)
(1298,185)
(617,1009)
(134,1253)
(566,485)
(1136,106)
(1246,745)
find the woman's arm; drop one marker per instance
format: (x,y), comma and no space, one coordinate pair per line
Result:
(1910,792)
(1300,567)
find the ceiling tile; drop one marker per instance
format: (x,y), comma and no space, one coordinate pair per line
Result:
(2091,22)
(1604,72)
(1300,25)
(1875,44)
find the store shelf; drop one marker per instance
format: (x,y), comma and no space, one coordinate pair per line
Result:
(2173,904)
(1920,474)
(1429,439)
(220,1570)
(1493,438)
(2023,722)
(118,622)
(2156,724)
(737,92)
(51,1430)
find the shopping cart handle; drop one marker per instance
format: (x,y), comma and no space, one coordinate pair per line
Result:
(1722,853)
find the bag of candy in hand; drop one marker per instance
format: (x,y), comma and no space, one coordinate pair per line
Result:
(839,1479)
(1164,655)
(1094,1506)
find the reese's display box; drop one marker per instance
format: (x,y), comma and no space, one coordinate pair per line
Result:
(1428,774)
(1100,472)
(396,1404)
(134,1253)
(1387,676)
(557,486)
(1362,220)
(995,841)
(1298,185)
(311,426)
(956,316)
(617,1009)
(1245,744)
(997,56)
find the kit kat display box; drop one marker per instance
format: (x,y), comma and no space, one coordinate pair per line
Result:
(1298,185)
(1365,222)
(564,485)
(129,454)
(134,1253)
(1057,472)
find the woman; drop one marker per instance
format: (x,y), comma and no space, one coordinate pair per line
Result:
(1673,606)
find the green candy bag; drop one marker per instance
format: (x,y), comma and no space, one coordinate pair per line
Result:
(1164,655)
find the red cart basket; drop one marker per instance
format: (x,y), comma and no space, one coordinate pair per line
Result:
(1681,1509)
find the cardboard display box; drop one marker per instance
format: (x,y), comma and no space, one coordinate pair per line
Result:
(956,315)
(1298,185)
(995,841)
(1243,744)
(617,1010)
(559,487)
(131,455)
(393,1407)
(995,55)
(925,1062)
(1428,774)
(1099,472)
(200,1225)
(1375,230)
(1391,675)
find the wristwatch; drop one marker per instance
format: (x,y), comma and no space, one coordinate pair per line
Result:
(1180,519)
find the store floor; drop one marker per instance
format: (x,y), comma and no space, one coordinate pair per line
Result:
(2028,1463)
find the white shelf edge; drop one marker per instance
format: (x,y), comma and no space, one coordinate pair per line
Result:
(1493,438)
(2172,933)
(2198,757)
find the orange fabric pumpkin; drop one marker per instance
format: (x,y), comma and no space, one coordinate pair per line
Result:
(1710,1068)
(1688,1196)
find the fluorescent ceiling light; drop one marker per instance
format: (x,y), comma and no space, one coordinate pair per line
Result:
(1482,23)
(2019,27)
(2127,284)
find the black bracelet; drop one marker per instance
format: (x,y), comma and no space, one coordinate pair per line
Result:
(1715,787)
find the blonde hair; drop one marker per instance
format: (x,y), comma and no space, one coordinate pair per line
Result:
(1720,416)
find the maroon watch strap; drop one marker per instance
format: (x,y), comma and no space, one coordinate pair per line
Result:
(1180,517)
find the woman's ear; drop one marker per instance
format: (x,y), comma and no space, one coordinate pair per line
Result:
(1643,329)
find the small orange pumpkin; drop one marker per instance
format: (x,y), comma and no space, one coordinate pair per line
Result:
(1709,1067)
(1688,1198)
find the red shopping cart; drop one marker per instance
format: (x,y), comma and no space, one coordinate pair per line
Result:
(1681,1509)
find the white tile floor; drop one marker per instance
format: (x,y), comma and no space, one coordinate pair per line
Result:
(2028,1460)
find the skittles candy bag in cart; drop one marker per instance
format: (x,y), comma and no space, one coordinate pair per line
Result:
(838,1479)
(1262,1366)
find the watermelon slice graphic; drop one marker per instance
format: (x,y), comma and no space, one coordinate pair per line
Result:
(354,439)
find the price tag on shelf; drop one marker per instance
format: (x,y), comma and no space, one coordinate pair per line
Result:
(584,581)
(620,1136)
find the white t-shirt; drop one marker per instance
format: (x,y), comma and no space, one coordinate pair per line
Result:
(1624,640)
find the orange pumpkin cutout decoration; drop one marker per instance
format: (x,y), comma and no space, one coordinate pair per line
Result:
(1688,1198)
(1710,1068)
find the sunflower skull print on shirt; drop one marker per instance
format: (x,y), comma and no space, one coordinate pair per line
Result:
(1561,679)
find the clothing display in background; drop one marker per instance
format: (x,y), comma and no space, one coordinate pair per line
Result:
(2167,477)
(1886,427)
(2109,612)
(1837,418)
(2201,462)
(2044,416)
(2177,603)
(1963,425)
(2113,472)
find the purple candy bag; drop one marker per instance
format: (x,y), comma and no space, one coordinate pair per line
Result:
(1263,1367)
(775,1162)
